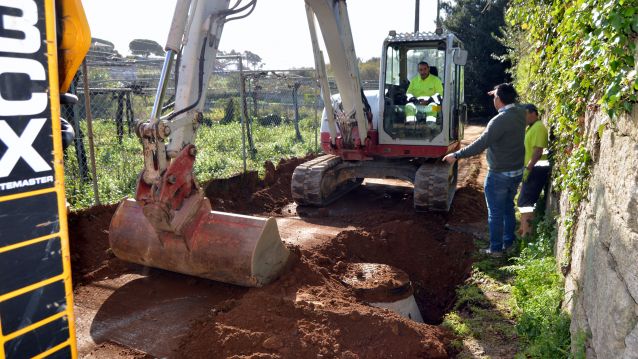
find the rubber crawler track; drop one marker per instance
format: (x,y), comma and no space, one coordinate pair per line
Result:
(434,186)
(314,185)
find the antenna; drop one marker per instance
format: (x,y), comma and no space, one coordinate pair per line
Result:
(416,15)
(438,30)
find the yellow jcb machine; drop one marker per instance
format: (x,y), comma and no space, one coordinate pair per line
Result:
(42,44)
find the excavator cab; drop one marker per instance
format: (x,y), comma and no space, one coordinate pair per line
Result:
(436,119)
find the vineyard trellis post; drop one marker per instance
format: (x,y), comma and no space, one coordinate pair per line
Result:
(242,94)
(243,115)
(72,111)
(295,100)
(89,129)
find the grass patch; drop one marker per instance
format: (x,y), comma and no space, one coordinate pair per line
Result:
(219,156)
(456,324)
(481,317)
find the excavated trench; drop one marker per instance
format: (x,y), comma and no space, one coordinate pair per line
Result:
(125,310)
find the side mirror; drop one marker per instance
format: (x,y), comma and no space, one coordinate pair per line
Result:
(460,56)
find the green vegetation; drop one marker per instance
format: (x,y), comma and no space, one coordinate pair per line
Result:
(476,23)
(580,340)
(117,167)
(581,55)
(567,57)
(573,178)
(526,291)
(538,294)
(219,156)
(514,305)
(369,70)
(482,316)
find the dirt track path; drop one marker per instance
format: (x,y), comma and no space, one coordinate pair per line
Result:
(125,310)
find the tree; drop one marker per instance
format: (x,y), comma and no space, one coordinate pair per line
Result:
(144,47)
(477,23)
(253,60)
(102,50)
(369,70)
(226,64)
(103,44)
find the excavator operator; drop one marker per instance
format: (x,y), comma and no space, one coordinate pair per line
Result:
(425,83)
(422,92)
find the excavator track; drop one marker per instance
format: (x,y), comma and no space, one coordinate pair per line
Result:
(434,186)
(319,183)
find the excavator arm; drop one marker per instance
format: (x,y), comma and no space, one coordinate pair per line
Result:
(194,38)
(168,141)
(169,224)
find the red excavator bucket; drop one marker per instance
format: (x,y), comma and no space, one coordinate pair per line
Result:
(225,247)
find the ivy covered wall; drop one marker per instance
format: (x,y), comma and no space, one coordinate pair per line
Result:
(576,60)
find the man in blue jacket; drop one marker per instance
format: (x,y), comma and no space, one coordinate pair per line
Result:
(504,139)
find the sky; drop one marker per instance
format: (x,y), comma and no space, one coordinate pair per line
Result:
(277,30)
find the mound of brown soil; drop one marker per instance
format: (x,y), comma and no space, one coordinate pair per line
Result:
(435,260)
(469,205)
(309,313)
(246,194)
(91,256)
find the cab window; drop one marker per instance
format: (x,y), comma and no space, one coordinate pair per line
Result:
(411,118)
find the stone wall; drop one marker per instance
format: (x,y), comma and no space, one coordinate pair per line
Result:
(601,284)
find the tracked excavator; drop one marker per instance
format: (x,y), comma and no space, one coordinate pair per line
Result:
(169,223)
(386,133)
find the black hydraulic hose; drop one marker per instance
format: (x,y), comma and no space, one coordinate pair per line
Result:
(366,105)
(199,88)
(234,10)
(201,61)
(235,6)
(244,15)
